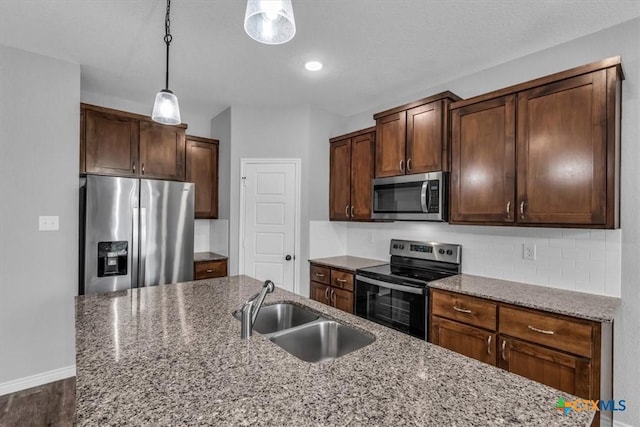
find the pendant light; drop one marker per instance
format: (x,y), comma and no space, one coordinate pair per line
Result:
(270,21)
(166,109)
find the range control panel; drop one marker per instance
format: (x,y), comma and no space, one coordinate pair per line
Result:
(426,250)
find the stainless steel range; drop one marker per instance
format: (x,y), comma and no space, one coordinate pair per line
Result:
(396,294)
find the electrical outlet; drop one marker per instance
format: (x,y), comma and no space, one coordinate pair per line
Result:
(49,223)
(529,251)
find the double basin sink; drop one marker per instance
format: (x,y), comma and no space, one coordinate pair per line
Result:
(305,334)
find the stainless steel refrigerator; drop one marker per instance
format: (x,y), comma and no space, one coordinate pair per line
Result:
(134,233)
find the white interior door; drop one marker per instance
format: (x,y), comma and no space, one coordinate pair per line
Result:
(269,210)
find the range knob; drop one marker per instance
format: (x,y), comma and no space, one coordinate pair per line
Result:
(441,251)
(401,246)
(449,252)
(395,246)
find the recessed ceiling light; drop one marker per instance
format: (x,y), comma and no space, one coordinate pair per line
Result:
(313,65)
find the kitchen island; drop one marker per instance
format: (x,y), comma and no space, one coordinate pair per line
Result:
(172,355)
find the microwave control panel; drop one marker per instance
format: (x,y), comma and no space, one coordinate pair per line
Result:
(433,196)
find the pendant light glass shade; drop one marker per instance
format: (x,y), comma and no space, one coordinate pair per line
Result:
(166,109)
(270,21)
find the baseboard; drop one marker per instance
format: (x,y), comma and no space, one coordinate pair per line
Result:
(36,380)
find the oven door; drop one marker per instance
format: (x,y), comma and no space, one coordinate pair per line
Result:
(400,307)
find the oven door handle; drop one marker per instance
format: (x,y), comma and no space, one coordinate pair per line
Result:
(403,288)
(423,196)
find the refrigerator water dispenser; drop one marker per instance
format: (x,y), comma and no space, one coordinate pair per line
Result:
(112,258)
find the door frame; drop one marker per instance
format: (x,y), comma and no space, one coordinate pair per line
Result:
(296,238)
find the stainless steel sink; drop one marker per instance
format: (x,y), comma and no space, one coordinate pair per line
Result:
(322,340)
(276,317)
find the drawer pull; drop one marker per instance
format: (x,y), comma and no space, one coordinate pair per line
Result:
(504,344)
(542,331)
(461,310)
(319,275)
(209,271)
(489,345)
(341,280)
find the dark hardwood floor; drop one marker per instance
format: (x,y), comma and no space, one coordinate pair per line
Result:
(50,404)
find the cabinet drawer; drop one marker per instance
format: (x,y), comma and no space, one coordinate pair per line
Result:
(566,334)
(463,308)
(320,274)
(210,269)
(342,280)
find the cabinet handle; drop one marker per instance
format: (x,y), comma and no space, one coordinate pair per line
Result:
(346,211)
(326,294)
(409,164)
(134,167)
(351,211)
(333,297)
(504,344)
(522,205)
(402,165)
(489,345)
(341,280)
(209,271)
(508,209)
(143,169)
(542,331)
(461,310)
(319,275)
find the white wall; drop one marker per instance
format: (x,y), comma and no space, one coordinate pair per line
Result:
(567,258)
(39,128)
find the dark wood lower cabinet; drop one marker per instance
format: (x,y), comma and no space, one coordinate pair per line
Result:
(472,342)
(556,369)
(337,289)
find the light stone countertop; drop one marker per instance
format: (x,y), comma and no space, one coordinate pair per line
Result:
(560,301)
(348,262)
(208,256)
(172,355)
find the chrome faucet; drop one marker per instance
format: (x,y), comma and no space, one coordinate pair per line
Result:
(251,308)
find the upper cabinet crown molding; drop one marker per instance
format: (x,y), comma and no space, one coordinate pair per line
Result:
(119,143)
(541,153)
(413,138)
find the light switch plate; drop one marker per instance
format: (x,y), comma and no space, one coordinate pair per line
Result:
(49,223)
(529,251)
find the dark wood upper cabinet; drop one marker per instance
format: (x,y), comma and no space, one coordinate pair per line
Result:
(350,174)
(542,153)
(413,138)
(118,143)
(202,169)
(483,162)
(162,151)
(111,144)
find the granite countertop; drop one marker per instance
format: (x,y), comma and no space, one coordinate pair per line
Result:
(172,355)
(208,256)
(560,301)
(347,262)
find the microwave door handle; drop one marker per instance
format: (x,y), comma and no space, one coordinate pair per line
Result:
(423,196)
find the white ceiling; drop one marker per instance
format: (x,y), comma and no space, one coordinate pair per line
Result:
(369,47)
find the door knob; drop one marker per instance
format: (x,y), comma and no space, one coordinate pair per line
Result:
(288,258)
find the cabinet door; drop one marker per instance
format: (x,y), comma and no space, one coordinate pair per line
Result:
(483,162)
(562,156)
(362,168)
(559,370)
(390,144)
(111,144)
(424,138)
(340,180)
(202,170)
(162,151)
(320,293)
(342,300)
(467,340)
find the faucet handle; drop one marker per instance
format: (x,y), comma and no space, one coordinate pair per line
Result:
(269,285)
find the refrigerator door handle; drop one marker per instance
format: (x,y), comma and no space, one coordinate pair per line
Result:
(134,249)
(143,246)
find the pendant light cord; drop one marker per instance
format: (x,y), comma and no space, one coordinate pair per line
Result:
(167,39)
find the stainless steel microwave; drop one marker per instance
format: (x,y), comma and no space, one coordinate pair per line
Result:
(418,197)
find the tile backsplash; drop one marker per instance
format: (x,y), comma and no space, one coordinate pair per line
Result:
(580,260)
